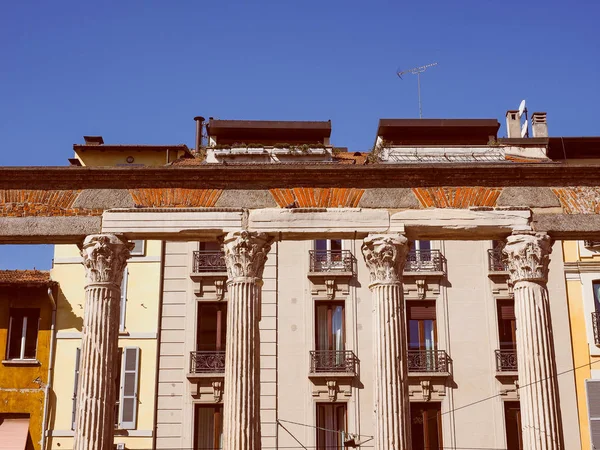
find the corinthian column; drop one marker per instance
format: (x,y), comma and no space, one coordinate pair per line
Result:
(245,257)
(528,257)
(104,258)
(385,256)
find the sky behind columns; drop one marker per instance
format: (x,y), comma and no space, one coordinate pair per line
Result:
(139,71)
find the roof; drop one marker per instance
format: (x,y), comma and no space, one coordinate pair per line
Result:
(574,147)
(350,157)
(438,131)
(25,277)
(131,147)
(309,131)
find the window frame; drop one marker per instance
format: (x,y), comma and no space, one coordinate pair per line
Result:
(141,252)
(330,342)
(24,329)
(217,424)
(343,406)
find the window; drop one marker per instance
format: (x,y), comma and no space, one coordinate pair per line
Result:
(23,332)
(334,245)
(210,246)
(422,333)
(421,245)
(512,419)
(507,325)
(126,382)
(212,327)
(426,426)
(330,326)
(592,389)
(331,422)
(208,429)
(139,248)
(328,255)
(596,289)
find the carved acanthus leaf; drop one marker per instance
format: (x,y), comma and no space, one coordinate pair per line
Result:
(385,255)
(527,256)
(246,254)
(104,258)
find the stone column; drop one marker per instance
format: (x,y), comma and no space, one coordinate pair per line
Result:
(385,256)
(104,257)
(528,255)
(245,257)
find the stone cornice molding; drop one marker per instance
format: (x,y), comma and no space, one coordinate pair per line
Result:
(246,254)
(385,255)
(527,256)
(270,176)
(582,267)
(104,258)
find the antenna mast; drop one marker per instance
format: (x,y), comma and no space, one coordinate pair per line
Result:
(417,71)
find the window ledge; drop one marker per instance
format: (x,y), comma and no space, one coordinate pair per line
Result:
(21,362)
(123,333)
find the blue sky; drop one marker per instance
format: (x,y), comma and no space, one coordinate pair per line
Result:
(139,71)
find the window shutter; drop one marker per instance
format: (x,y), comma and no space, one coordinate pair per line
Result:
(421,310)
(592,388)
(507,312)
(129,388)
(75,387)
(123,304)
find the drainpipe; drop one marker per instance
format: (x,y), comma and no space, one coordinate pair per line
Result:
(50,370)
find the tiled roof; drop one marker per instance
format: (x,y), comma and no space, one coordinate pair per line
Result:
(25,277)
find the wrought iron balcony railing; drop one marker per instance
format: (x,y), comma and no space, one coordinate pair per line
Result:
(424,261)
(207,362)
(428,361)
(496,261)
(331,261)
(326,361)
(596,326)
(209,261)
(506,361)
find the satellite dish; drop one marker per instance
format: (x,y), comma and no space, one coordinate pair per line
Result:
(524,129)
(521,108)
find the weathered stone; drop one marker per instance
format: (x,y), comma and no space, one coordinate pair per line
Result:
(385,255)
(527,259)
(246,198)
(532,197)
(104,258)
(104,199)
(48,230)
(245,257)
(389,198)
(568,227)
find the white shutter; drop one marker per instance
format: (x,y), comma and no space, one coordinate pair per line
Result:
(129,388)
(592,388)
(123,303)
(75,387)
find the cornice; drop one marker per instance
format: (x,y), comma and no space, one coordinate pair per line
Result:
(582,267)
(260,176)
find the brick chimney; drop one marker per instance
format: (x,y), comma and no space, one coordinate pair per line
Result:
(539,126)
(513,124)
(93,140)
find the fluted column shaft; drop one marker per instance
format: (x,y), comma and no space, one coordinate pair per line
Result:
(385,256)
(104,257)
(527,258)
(245,256)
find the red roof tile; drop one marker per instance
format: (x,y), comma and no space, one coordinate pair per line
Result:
(25,277)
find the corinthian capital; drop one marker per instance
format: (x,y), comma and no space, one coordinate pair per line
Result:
(104,258)
(246,254)
(385,255)
(527,256)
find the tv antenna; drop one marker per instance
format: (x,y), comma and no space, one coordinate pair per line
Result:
(417,71)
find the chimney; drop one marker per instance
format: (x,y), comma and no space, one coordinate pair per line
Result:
(199,125)
(93,140)
(539,126)
(513,124)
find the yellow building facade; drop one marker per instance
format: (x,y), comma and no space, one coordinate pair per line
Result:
(137,344)
(582,274)
(26,318)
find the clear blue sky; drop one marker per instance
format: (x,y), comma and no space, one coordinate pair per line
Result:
(139,71)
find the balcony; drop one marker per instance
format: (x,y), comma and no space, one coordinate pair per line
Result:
(506,362)
(207,362)
(430,362)
(328,362)
(496,262)
(424,261)
(209,261)
(596,326)
(331,261)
